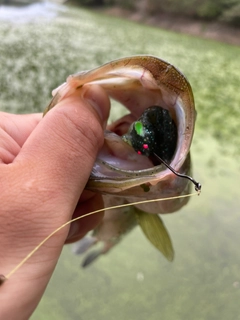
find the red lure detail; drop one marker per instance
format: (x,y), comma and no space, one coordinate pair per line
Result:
(145,146)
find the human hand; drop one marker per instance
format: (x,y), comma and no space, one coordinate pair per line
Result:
(45,164)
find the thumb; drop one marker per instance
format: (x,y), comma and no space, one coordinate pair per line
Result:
(41,190)
(61,151)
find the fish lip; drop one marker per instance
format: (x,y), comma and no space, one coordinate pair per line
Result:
(162,171)
(151,75)
(180,105)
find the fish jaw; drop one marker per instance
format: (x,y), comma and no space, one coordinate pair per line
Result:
(137,83)
(162,191)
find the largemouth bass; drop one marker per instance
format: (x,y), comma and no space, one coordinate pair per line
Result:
(123,171)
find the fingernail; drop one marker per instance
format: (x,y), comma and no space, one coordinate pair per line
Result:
(73,231)
(94,104)
(95,97)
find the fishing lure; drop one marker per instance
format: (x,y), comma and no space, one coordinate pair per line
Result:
(154,135)
(154,132)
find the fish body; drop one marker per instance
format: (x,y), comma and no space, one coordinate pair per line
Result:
(115,225)
(120,173)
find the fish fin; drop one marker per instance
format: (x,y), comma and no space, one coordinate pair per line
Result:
(90,258)
(83,245)
(156,232)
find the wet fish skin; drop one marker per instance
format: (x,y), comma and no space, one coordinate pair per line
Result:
(138,82)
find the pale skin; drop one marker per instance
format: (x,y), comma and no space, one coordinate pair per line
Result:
(45,164)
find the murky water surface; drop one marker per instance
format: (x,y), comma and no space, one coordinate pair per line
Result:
(135,281)
(31,13)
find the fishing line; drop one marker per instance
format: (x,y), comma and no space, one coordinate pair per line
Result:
(4,278)
(198,186)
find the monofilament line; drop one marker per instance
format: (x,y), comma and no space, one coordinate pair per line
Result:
(198,185)
(3,278)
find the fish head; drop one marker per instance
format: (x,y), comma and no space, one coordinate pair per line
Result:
(138,83)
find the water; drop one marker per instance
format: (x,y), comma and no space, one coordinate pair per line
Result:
(135,281)
(31,13)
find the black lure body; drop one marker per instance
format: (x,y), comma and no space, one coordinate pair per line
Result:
(154,132)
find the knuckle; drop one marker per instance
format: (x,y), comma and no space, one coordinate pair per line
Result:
(85,131)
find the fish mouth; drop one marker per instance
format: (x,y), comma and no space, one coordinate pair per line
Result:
(138,88)
(125,150)
(137,83)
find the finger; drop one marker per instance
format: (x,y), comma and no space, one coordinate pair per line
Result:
(41,188)
(62,149)
(19,126)
(48,176)
(82,226)
(14,131)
